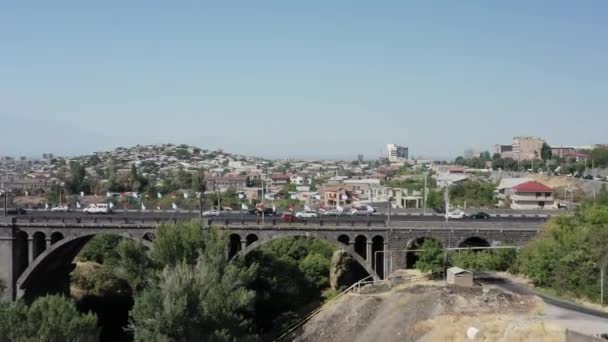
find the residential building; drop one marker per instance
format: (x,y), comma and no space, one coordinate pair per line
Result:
(24,183)
(521,193)
(567,152)
(332,195)
(280,179)
(505,151)
(403,199)
(396,153)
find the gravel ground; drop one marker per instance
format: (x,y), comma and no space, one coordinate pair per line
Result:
(432,312)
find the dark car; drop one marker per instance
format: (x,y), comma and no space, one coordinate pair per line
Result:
(258,212)
(288,218)
(16,211)
(480,216)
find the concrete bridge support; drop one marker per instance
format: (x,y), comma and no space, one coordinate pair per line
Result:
(7,263)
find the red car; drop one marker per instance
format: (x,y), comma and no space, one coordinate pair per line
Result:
(288,218)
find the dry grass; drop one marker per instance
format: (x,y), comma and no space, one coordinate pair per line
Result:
(492,327)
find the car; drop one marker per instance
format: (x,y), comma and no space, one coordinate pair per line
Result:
(361,212)
(456,214)
(212,212)
(266,212)
(480,216)
(307,214)
(101,208)
(333,212)
(62,208)
(16,211)
(288,218)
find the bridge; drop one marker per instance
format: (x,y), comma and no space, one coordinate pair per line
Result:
(37,251)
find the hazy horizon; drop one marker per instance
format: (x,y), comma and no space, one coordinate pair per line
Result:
(321,80)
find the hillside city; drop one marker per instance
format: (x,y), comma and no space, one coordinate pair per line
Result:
(181,177)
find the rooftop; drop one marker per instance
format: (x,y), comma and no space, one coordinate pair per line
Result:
(532,186)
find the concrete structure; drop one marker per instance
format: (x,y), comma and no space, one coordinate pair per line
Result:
(226,182)
(523,148)
(458,276)
(396,153)
(527,148)
(36,252)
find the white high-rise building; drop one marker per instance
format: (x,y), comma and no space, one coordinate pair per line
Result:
(396,153)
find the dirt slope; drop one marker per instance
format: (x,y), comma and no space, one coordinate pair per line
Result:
(431,313)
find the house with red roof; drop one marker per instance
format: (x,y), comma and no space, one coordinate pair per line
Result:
(527,195)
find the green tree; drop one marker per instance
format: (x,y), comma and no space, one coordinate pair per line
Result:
(431,258)
(99,247)
(599,156)
(199,185)
(47,319)
(485,260)
(175,243)
(566,255)
(316,270)
(545,152)
(207,300)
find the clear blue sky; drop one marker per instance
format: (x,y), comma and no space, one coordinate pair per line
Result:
(305,79)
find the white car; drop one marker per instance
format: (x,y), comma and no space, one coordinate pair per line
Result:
(456,214)
(97,209)
(361,212)
(307,214)
(62,208)
(333,212)
(211,213)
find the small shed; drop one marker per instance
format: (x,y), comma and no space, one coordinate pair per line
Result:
(459,276)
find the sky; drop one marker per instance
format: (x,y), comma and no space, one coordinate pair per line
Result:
(301,79)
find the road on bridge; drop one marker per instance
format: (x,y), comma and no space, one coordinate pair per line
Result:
(238,215)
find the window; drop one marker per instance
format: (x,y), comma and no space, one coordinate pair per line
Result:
(541,204)
(538,194)
(547,194)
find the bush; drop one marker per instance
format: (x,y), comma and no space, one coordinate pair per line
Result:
(486,260)
(566,256)
(431,258)
(48,319)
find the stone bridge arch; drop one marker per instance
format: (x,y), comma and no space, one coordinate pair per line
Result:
(264,239)
(49,272)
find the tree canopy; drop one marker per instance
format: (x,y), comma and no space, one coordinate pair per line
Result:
(47,319)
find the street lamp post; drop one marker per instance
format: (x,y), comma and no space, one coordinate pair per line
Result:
(5,193)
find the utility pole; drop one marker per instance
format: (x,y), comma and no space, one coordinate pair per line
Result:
(263,207)
(447,200)
(388,220)
(425,191)
(5,193)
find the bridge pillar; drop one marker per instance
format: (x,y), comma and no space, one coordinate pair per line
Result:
(7,268)
(243,245)
(30,250)
(48,242)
